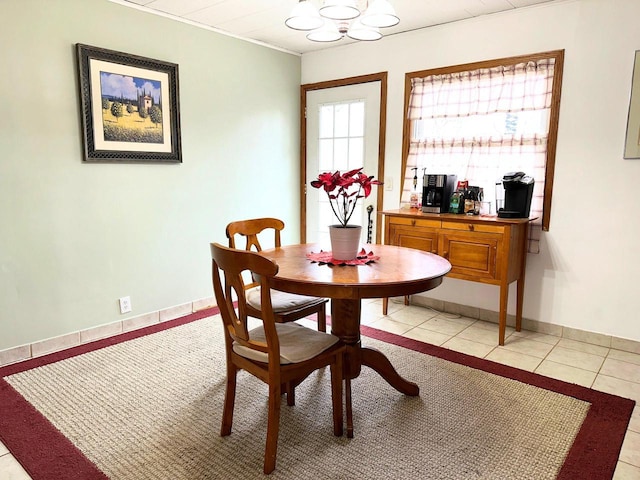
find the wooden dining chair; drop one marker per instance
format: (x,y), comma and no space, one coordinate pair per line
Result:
(279,354)
(287,307)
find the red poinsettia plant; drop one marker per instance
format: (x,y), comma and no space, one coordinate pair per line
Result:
(344,190)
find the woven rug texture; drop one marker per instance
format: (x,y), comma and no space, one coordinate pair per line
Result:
(150,408)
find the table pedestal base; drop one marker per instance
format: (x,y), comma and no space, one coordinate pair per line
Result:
(345,324)
(375,359)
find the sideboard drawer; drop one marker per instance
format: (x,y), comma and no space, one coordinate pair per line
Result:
(420,238)
(415,222)
(474,227)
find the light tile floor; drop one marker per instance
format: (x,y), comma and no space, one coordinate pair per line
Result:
(592,366)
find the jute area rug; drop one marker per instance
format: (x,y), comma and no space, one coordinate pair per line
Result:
(149,407)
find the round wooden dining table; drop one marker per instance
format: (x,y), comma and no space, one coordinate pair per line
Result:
(396,271)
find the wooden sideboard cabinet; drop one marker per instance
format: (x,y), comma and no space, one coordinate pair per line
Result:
(488,250)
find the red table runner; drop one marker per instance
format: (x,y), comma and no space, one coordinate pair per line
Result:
(323,258)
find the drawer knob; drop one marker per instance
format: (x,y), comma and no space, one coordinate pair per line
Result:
(413,222)
(471,227)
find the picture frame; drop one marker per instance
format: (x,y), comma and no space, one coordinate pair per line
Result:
(129,107)
(632,139)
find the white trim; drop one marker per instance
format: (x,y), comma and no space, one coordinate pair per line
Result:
(201,25)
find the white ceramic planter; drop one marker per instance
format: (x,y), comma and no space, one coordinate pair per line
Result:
(345,241)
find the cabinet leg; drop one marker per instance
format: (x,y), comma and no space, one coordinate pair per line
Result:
(504,298)
(519,304)
(520,283)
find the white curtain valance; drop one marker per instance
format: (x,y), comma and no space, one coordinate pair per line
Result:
(507,88)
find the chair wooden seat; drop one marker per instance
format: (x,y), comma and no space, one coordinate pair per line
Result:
(288,307)
(281,355)
(297,343)
(284,303)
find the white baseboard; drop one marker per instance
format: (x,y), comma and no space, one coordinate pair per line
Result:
(593,338)
(55,344)
(62,342)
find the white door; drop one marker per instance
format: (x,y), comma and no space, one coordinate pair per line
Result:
(342,134)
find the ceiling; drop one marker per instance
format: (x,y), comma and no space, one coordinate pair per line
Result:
(262,21)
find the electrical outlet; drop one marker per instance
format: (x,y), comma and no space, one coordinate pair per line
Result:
(388,183)
(125,304)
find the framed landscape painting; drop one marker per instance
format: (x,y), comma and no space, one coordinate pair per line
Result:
(130,107)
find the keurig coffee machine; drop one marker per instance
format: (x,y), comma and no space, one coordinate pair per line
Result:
(436,192)
(518,191)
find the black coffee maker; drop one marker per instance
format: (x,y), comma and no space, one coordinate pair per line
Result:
(436,192)
(518,192)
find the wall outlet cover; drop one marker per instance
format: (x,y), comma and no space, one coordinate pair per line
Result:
(125,304)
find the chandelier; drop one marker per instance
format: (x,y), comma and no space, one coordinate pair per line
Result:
(357,19)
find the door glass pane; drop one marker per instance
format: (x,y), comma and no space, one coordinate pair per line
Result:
(341,154)
(356,152)
(356,120)
(341,120)
(325,154)
(326,121)
(326,216)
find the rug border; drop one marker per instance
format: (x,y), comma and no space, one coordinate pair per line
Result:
(61,459)
(595,450)
(597,445)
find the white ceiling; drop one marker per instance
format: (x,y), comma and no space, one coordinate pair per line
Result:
(263,20)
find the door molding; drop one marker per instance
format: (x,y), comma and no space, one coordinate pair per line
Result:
(342,82)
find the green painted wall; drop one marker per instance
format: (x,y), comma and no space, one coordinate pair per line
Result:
(75,237)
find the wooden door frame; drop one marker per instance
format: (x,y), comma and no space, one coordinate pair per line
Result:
(343,82)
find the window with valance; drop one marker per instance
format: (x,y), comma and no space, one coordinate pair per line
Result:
(482,120)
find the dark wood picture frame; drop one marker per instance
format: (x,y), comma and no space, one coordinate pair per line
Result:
(129,106)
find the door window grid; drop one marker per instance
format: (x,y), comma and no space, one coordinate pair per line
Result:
(340,147)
